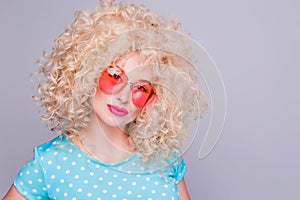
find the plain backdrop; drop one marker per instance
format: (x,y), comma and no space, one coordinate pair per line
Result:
(256,46)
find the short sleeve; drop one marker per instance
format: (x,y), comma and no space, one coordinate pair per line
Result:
(179,169)
(30,181)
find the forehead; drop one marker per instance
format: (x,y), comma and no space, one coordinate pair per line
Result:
(135,67)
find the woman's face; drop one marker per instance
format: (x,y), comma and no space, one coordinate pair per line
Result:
(118,106)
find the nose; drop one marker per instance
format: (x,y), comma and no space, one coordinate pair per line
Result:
(123,95)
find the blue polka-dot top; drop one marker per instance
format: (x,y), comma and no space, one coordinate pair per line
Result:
(60,170)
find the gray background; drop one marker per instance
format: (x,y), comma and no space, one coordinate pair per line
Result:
(255,44)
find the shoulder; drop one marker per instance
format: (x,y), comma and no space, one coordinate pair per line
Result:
(53,150)
(59,143)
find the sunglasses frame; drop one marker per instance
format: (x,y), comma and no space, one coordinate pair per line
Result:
(109,88)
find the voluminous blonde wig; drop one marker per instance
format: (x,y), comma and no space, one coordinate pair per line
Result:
(70,72)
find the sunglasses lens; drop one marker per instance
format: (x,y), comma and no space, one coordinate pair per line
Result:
(110,78)
(143,94)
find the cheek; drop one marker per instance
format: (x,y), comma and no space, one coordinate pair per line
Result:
(134,111)
(99,101)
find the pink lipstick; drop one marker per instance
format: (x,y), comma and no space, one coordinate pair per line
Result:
(117,111)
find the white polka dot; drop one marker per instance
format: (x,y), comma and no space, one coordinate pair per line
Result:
(58,167)
(173,189)
(95,186)
(148,179)
(88,160)
(139,196)
(70,185)
(99,198)
(156,183)
(133,164)
(48,186)
(165,186)
(82,168)
(106,171)
(115,175)
(172,198)
(119,187)
(133,183)
(21,174)
(120,168)
(143,187)
(55,153)
(65,158)
(79,190)
(73,163)
(149,198)
(138,175)
(163,194)
(100,178)
(57,189)
(68,171)
(34,190)
(129,192)
(74,198)
(36,171)
(92,173)
(52,176)
(42,157)
(89,194)
(79,155)
(44,189)
(39,197)
(129,172)
(124,179)
(40,180)
(65,194)
(114,196)
(50,162)
(76,176)
(47,149)
(62,180)
(21,183)
(70,150)
(30,181)
(153,191)
(27,172)
(25,193)
(85,181)
(97,166)
(109,183)
(104,191)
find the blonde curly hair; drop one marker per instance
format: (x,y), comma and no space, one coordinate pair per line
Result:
(70,72)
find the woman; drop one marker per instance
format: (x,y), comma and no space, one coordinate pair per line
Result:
(119,108)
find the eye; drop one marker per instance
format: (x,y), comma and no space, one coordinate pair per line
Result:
(140,88)
(115,73)
(115,76)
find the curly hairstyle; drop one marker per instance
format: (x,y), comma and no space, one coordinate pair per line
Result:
(70,72)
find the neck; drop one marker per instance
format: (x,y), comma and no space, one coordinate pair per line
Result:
(103,142)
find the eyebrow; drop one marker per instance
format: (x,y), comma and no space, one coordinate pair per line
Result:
(140,80)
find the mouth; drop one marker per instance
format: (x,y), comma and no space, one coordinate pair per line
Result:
(117,111)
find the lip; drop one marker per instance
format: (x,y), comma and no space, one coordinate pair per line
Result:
(117,111)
